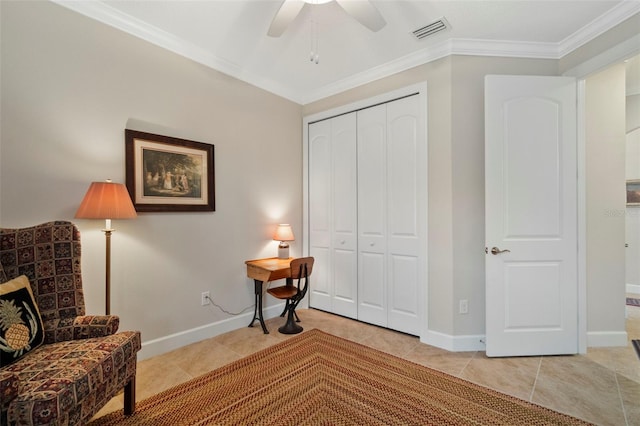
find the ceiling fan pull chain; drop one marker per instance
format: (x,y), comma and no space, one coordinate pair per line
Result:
(314,56)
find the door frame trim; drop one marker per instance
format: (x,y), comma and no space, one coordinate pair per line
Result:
(581,157)
(612,56)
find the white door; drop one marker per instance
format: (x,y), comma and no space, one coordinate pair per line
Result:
(372,215)
(391,214)
(333,214)
(531,216)
(320,195)
(406,213)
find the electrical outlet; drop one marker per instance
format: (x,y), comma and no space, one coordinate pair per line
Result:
(205,298)
(464,306)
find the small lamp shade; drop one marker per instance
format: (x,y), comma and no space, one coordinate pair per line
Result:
(106,200)
(283,234)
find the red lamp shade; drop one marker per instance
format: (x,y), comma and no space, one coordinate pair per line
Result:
(106,200)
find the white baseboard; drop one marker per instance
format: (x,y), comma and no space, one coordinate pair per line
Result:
(599,339)
(633,288)
(174,341)
(454,343)
(476,342)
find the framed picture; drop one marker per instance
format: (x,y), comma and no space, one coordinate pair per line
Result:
(165,174)
(633,192)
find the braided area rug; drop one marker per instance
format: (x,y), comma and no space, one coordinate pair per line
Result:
(319,379)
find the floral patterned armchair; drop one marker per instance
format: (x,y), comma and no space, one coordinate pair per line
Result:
(81,362)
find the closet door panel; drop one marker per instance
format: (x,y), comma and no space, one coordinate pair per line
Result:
(372,289)
(372,173)
(401,168)
(403,294)
(321,286)
(320,213)
(344,177)
(404,236)
(372,215)
(344,235)
(345,287)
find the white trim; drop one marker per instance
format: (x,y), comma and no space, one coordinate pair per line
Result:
(174,341)
(633,288)
(621,12)
(581,148)
(505,48)
(600,339)
(454,343)
(420,88)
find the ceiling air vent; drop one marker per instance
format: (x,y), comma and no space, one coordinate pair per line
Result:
(431,29)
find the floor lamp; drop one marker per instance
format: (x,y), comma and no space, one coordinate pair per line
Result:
(107,200)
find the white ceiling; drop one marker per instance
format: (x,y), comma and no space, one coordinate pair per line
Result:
(230,35)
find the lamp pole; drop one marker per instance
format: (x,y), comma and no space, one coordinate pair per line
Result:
(107,275)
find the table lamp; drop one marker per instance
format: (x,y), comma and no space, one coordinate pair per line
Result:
(283,234)
(107,200)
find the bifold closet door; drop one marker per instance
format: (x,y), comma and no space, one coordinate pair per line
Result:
(333,214)
(391,214)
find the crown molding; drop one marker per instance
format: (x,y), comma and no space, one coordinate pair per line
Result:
(623,11)
(505,48)
(106,14)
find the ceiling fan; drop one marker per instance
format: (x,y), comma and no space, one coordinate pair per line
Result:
(361,10)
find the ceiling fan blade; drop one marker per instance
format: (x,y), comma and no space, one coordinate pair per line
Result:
(364,12)
(287,13)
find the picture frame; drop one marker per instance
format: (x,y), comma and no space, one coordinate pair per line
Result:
(167,174)
(633,193)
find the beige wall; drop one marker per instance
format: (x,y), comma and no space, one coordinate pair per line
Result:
(605,170)
(70,86)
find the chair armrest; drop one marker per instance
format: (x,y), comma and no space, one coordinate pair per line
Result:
(87,326)
(9,389)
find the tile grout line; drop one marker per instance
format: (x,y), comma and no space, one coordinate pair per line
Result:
(624,411)
(467,363)
(535,381)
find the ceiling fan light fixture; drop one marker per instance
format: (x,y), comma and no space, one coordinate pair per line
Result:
(362,11)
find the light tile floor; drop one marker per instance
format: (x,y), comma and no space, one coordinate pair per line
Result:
(602,387)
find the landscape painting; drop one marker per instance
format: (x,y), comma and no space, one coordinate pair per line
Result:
(169,174)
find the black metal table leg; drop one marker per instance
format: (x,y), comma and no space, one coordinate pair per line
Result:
(257,310)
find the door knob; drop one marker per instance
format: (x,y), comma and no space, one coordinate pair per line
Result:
(496,250)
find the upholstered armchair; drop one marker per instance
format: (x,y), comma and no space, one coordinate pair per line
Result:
(68,364)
